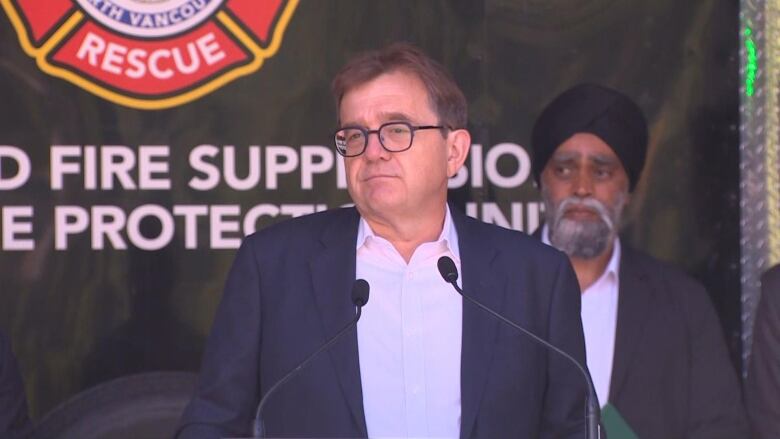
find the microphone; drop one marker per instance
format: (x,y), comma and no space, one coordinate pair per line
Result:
(449,272)
(359,298)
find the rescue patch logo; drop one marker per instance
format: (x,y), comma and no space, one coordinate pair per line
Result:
(150,54)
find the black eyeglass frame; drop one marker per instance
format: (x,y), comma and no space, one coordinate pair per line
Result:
(367,132)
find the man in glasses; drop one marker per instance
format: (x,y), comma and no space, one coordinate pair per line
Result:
(422,363)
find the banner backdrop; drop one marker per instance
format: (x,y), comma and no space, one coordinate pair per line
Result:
(140,141)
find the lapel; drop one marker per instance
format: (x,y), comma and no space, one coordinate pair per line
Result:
(634,298)
(333,273)
(479,329)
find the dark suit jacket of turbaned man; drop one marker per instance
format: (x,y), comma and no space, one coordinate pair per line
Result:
(288,291)
(672,377)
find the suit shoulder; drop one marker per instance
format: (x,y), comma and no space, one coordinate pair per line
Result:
(668,278)
(515,241)
(655,267)
(302,228)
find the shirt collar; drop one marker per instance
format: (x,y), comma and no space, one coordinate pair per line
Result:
(448,235)
(613,267)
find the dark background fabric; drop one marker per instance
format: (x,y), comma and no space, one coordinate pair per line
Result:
(14,420)
(83,316)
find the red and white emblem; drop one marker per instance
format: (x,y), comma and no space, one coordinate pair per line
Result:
(150,54)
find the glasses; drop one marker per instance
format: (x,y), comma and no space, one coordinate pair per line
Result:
(393,136)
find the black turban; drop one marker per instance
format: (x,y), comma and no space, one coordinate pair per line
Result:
(590,108)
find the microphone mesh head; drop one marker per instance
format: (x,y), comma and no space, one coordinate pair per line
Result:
(447,269)
(360,292)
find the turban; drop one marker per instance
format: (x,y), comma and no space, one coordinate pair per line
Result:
(598,110)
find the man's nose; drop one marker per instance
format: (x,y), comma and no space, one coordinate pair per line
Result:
(583,184)
(374,149)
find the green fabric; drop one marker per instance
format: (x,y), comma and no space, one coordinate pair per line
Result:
(615,425)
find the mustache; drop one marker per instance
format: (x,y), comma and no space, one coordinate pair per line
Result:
(587,202)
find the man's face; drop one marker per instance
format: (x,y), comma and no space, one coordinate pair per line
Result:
(386,185)
(584,187)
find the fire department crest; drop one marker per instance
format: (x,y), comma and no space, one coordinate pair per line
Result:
(150,54)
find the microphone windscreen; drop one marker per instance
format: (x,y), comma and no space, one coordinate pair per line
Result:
(447,269)
(360,292)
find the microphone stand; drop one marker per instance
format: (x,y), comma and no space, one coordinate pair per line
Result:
(360,291)
(592,410)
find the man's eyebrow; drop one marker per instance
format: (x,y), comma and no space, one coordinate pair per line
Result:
(385,117)
(603,159)
(567,156)
(574,156)
(395,116)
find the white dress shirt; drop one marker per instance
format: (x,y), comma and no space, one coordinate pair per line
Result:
(599,321)
(409,338)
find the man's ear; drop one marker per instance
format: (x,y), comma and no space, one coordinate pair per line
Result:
(458,145)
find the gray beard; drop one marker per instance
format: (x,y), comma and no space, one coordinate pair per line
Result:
(582,239)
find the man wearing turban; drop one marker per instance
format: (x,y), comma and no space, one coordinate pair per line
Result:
(654,346)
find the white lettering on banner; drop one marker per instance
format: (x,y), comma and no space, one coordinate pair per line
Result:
(215,165)
(68,220)
(227,224)
(341,173)
(23,167)
(491,213)
(523,165)
(16,220)
(90,168)
(475,159)
(113,226)
(153,160)
(253,175)
(278,160)
(198,163)
(113,163)
(108,222)
(117,162)
(162,63)
(152,226)
(314,160)
(190,215)
(221,224)
(134,227)
(59,167)
(498,152)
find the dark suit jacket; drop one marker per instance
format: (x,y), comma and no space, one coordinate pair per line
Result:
(762,391)
(672,377)
(289,289)
(14,421)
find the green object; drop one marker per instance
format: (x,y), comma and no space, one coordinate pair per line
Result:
(751,63)
(616,426)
